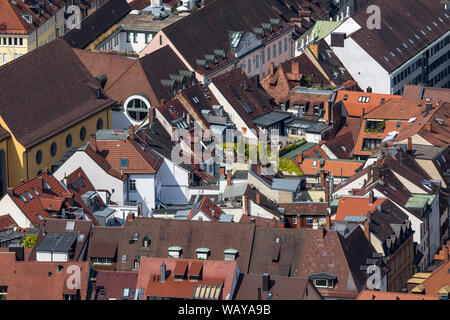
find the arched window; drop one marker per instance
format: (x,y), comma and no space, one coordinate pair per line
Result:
(136,264)
(99,124)
(137,108)
(82,133)
(69,141)
(53,149)
(38,157)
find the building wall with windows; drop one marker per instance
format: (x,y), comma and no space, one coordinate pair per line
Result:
(13,46)
(26,163)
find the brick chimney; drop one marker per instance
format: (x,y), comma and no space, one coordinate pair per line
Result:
(131,132)
(93,142)
(139,209)
(130,217)
(266,281)
(327,191)
(151,114)
(321,232)
(221,172)
(258,198)
(371,197)
(272,68)
(427,126)
(245,205)
(409,147)
(229,177)
(300,158)
(40,182)
(295,67)
(327,222)
(376,173)
(366,225)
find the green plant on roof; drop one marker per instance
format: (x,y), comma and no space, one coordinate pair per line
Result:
(29,240)
(290,167)
(291,147)
(321,199)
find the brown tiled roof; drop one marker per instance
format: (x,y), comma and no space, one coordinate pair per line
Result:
(420,92)
(231,85)
(139,4)
(264,202)
(341,146)
(281,288)
(335,167)
(113,283)
(34,207)
(189,235)
(4,134)
(31,280)
(97,23)
(397,19)
(305,208)
(220,273)
(104,241)
(6,222)
(356,206)
(32,117)
(219,18)
(11,15)
(208,207)
(74,186)
(261,222)
(104,164)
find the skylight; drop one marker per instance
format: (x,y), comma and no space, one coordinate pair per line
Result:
(35,191)
(392,54)
(405,45)
(22,197)
(70,225)
(386,58)
(440,19)
(417,37)
(28,194)
(398,49)
(124,162)
(195,99)
(46,186)
(423,32)
(80,182)
(428,28)
(435,24)
(410,40)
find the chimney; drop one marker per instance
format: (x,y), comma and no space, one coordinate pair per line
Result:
(314,50)
(151,114)
(221,172)
(272,68)
(229,177)
(259,293)
(266,281)
(295,67)
(327,222)
(139,209)
(322,177)
(163,272)
(327,191)
(18,249)
(163,101)
(40,181)
(93,142)
(22,181)
(321,233)
(300,158)
(130,217)
(131,132)
(188,118)
(427,126)
(245,205)
(371,197)
(375,173)
(366,225)
(258,198)
(65,179)
(409,148)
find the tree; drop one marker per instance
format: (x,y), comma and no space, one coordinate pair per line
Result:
(29,240)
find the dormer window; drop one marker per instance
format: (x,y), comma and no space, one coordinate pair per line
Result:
(124,163)
(323,280)
(230,254)
(146,242)
(174,252)
(202,253)
(136,263)
(28,18)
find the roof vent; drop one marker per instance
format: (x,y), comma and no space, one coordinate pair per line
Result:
(202,63)
(267,26)
(276,22)
(220,53)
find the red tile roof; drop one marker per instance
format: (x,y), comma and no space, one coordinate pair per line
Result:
(103,163)
(31,280)
(208,207)
(47,200)
(356,206)
(383,295)
(355,108)
(335,167)
(213,273)
(6,222)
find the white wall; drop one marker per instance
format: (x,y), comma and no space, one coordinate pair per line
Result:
(256,210)
(98,177)
(174,183)
(8,206)
(145,191)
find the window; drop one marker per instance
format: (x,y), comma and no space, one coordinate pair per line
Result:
(132,185)
(136,264)
(38,157)
(249,66)
(124,162)
(126,292)
(256,61)
(294,220)
(137,109)
(99,124)
(53,149)
(321,283)
(262,56)
(124,258)
(285,44)
(69,140)
(268,54)
(5,57)
(128,37)
(309,220)
(146,242)
(28,194)
(279,47)
(160,40)
(274,50)
(147,37)
(135,37)
(82,133)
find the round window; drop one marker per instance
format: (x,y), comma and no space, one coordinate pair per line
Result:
(137,109)
(99,124)
(53,149)
(69,140)
(39,157)
(83,133)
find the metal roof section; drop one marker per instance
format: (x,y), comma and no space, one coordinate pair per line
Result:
(271,118)
(57,242)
